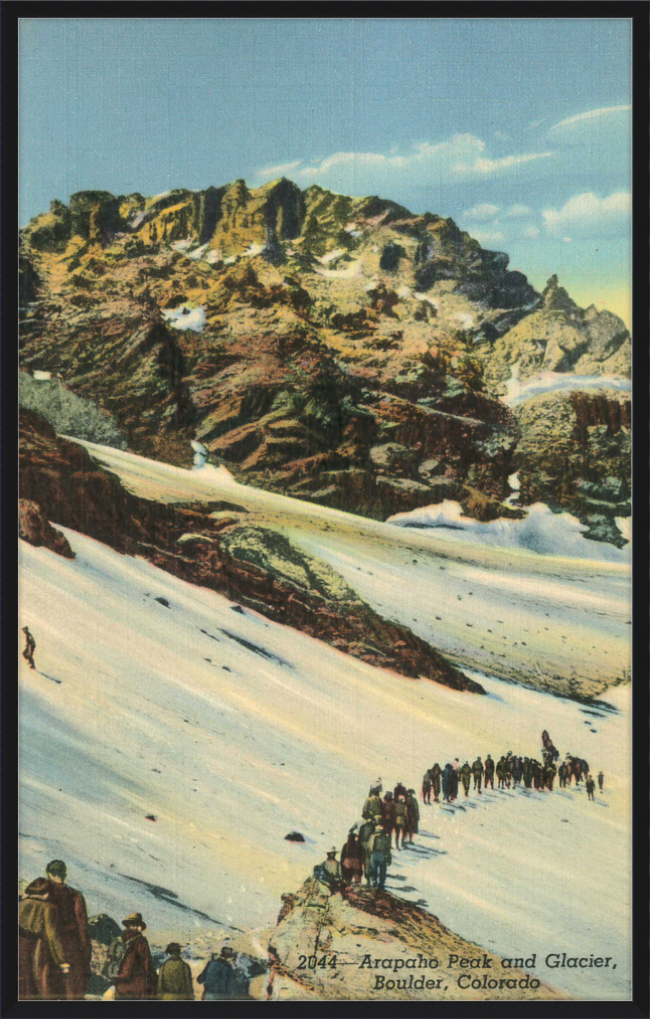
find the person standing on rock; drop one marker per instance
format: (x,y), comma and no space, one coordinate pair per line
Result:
(218,977)
(412,815)
(400,821)
(436,774)
(42,965)
(601,781)
(388,814)
(380,859)
(477,771)
(175,977)
(489,772)
(466,777)
(136,976)
(330,872)
(352,860)
(72,925)
(426,787)
(30,647)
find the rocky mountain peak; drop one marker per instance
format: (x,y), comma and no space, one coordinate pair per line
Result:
(555,297)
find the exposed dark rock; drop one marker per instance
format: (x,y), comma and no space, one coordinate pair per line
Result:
(37,530)
(253,566)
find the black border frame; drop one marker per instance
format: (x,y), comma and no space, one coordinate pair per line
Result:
(639,12)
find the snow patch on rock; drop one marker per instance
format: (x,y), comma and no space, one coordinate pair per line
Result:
(541,531)
(556,382)
(185,317)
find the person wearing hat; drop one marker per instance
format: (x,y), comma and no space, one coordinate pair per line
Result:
(137,977)
(477,771)
(412,815)
(175,977)
(352,859)
(71,920)
(380,858)
(218,977)
(399,790)
(330,873)
(400,821)
(489,771)
(436,776)
(41,953)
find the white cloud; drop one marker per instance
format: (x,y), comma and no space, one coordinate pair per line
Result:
(567,240)
(280,170)
(482,211)
(423,165)
(579,118)
(518,211)
(587,215)
(484,166)
(531,232)
(488,236)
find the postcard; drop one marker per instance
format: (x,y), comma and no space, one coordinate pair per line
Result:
(325,509)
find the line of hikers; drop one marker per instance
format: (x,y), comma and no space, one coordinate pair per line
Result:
(510,770)
(55,952)
(367,850)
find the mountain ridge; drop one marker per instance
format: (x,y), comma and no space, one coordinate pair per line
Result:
(338,349)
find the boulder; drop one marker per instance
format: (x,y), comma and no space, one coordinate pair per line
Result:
(34,527)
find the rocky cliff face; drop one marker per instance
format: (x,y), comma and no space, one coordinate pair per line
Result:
(336,349)
(377,946)
(575,454)
(215,548)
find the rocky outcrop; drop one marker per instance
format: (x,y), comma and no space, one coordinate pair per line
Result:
(34,527)
(374,944)
(575,454)
(294,332)
(254,566)
(558,336)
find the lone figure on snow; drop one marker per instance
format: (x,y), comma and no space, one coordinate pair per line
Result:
(30,647)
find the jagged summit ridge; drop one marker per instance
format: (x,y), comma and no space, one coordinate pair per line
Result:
(338,349)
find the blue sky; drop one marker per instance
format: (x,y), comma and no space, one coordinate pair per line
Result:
(519,129)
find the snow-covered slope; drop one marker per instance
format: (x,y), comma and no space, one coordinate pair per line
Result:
(232,731)
(553,620)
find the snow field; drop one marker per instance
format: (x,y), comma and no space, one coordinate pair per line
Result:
(126,717)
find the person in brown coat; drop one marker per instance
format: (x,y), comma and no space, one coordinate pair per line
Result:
(72,926)
(137,976)
(42,965)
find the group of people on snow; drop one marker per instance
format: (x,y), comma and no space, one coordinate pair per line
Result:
(55,953)
(367,850)
(510,770)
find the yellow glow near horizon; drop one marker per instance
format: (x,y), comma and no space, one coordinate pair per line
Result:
(615,299)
